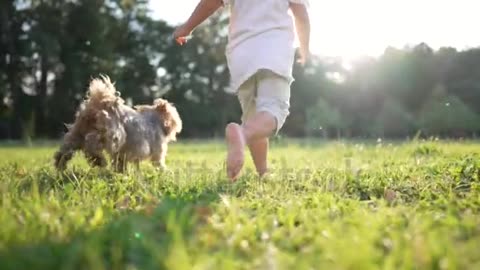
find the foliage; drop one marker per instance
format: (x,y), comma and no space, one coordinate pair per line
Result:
(322,117)
(394,121)
(49,50)
(449,113)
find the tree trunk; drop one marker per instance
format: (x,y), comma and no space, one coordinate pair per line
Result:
(11,29)
(325,133)
(40,104)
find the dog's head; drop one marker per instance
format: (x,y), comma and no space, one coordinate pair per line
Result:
(172,123)
(169,117)
(112,129)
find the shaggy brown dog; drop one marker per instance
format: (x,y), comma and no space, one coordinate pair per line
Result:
(105,123)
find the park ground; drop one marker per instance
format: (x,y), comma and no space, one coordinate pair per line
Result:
(326,205)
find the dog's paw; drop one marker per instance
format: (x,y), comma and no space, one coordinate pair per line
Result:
(164,169)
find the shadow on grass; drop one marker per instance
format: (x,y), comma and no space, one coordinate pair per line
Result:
(141,239)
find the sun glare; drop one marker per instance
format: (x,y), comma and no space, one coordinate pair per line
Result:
(351,29)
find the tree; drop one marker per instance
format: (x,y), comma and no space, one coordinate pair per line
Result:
(393,121)
(324,118)
(449,115)
(50,49)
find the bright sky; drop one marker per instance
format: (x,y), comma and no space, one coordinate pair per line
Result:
(351,28)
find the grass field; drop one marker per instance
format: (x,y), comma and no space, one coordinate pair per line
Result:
(326,206)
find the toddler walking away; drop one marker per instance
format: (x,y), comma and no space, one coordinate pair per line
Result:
(260,55)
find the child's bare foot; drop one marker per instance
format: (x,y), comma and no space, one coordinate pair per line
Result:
(235,144)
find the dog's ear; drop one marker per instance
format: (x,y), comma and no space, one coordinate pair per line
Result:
(161,105)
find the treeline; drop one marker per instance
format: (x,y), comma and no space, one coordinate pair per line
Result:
(49,50)
(401,94)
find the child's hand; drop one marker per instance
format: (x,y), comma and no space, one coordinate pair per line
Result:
(204,9)
(304,56)
(181,35)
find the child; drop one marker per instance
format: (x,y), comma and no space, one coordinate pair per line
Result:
(260,56)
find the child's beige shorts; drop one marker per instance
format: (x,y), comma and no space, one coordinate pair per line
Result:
(265,92)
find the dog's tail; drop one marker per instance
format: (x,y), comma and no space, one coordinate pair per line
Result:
(101,96)
(102,89)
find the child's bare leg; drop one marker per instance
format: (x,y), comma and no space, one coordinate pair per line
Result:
(259,127)
(259,150)
(235,149)
(263,115)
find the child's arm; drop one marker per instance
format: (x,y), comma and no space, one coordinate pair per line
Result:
(302,25)
(204,9)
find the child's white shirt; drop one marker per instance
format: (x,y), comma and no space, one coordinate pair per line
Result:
(261,36)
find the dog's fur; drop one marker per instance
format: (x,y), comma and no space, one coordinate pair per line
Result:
(105,123)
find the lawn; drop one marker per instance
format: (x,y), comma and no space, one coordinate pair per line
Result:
(335,205)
